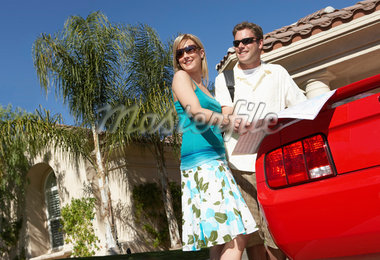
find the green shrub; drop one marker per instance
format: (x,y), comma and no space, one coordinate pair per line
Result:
(77,225)
(150,211)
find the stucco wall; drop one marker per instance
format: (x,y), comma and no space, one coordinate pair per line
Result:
(75,179)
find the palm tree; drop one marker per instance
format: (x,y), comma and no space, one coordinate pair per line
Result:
(149,61)
(160,131)
(150,72)
(22,137)
(83,62)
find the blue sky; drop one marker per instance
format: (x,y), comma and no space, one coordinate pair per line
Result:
(21,22)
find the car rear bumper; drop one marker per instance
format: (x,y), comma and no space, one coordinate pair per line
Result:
(334,217)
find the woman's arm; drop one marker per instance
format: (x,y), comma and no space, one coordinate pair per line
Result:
(183,91)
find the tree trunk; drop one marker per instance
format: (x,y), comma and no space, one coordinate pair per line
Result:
(106,203)
(175,240)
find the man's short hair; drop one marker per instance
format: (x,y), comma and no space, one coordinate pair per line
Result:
(256,29)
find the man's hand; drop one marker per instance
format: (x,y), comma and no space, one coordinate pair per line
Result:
(240,124)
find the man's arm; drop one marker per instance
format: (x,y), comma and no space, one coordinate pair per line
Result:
(294,94)
(222,95)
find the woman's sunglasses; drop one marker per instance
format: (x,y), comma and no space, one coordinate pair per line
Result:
(189,50)
(244,41)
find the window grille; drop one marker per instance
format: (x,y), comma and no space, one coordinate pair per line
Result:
(53,211)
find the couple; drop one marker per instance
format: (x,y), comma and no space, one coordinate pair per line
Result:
(214,209)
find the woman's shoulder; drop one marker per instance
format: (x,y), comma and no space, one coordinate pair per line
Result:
(181,74)
(181,77)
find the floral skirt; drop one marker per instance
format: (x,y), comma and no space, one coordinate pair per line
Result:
(213,209)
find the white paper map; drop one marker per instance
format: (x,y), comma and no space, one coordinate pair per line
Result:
(308,109)
(249,143)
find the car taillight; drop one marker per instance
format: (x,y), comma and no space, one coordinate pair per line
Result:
(299,162)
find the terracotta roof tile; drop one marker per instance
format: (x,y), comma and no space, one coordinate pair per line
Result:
(323,19)
(319,21)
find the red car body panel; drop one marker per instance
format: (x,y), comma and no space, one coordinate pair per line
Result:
(338,216)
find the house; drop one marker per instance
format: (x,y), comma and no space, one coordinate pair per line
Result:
(322,51)
(55,180)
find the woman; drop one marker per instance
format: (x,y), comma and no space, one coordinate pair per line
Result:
(214,213)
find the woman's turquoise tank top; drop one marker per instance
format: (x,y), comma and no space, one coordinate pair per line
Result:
(201,143)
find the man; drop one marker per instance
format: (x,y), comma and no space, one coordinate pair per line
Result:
(265,87)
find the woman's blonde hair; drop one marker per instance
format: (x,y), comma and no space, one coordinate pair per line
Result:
(198,42)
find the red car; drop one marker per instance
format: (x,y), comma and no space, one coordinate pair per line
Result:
(318,181)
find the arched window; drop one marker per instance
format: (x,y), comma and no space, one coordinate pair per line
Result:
(53,210)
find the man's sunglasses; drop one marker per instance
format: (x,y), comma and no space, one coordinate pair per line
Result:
(245,41)
(189,50)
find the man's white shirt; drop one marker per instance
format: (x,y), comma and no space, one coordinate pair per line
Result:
(265,89)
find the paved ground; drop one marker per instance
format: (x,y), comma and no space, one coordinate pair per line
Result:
(162,255)
(159,255)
